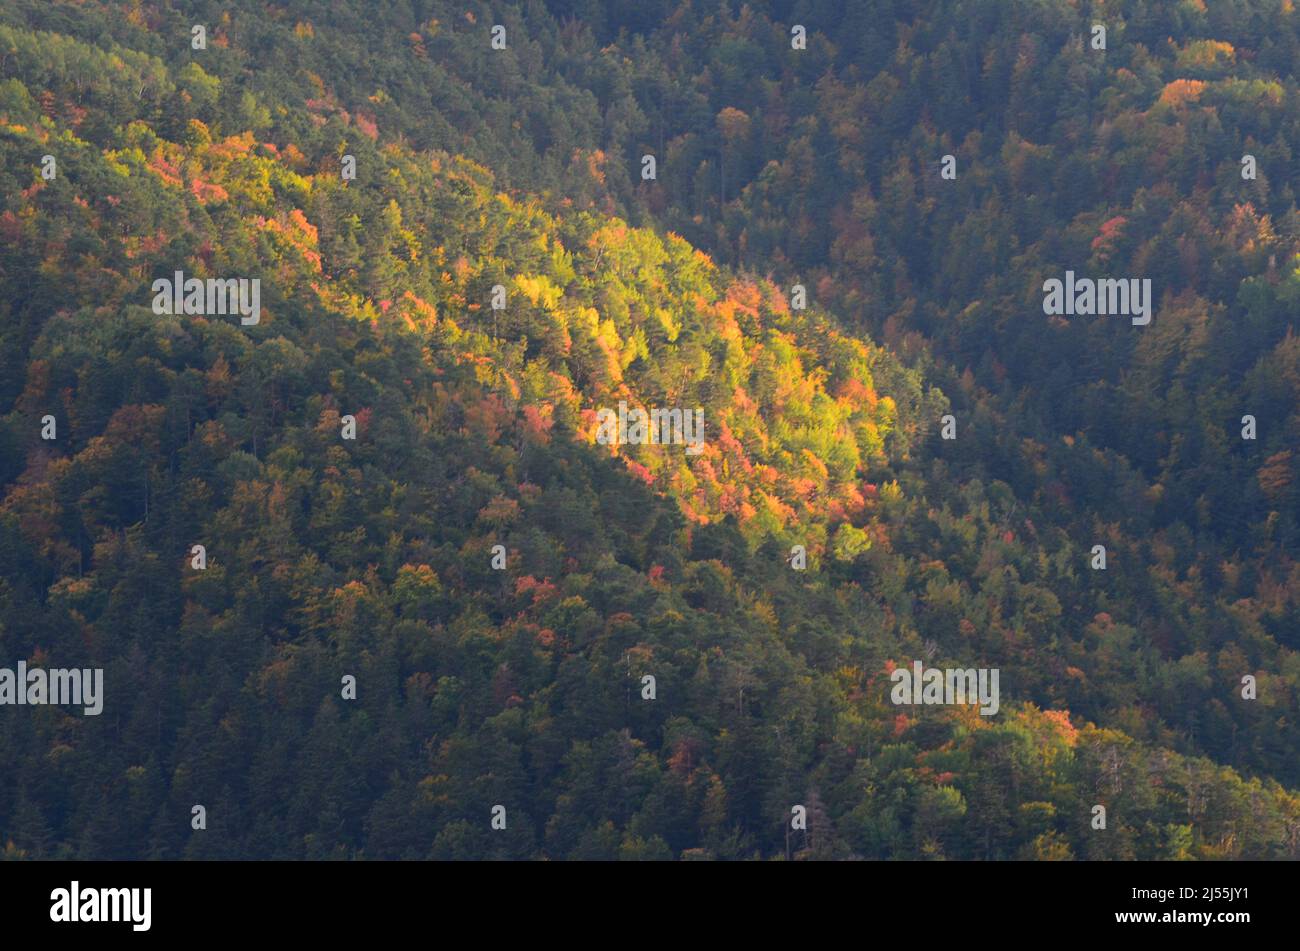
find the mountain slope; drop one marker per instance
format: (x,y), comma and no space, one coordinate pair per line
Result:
(522,686)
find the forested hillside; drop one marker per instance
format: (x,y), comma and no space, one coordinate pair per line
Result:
(476,426)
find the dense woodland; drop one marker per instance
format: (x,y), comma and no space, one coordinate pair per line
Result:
(522,687)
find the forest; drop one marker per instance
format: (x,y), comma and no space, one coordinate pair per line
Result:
(395,480)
